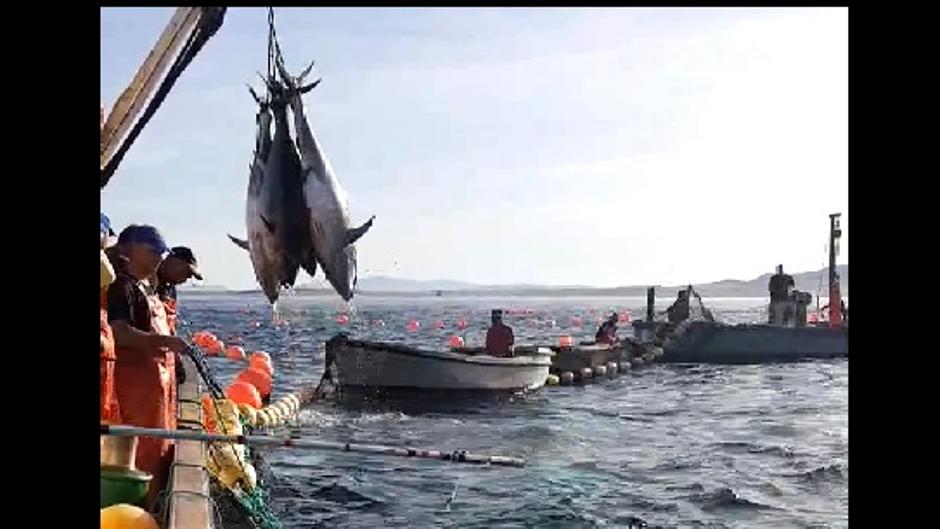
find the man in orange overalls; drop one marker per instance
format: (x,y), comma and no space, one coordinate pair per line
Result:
(145,369)
(109,406)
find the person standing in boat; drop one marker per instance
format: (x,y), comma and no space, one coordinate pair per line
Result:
(607,333)
(145,367)
(499,337)
(178,267)
(780,286)
(678,312)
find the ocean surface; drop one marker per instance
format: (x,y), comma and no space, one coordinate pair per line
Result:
(662,446)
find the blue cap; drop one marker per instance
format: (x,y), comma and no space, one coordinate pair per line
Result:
(106,226)
(143,234)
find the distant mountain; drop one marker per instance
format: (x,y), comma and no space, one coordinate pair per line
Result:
(394,284)
(757,287)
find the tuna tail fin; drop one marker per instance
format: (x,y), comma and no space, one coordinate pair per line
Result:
(241,243)
(309,264)
(353,234)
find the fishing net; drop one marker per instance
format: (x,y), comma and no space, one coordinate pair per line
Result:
(255,503)
(240,505)
(246,500)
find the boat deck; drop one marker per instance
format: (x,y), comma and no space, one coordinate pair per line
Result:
(190,506)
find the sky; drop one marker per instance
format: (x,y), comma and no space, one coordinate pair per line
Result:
(559,146)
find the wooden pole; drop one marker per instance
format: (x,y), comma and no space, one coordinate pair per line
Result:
(128,105)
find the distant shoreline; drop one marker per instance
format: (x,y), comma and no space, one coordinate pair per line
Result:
(813,282)
(661,293)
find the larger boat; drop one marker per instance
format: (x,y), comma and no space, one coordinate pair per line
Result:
(791,340)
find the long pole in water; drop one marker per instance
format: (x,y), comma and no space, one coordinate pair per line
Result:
(264,440)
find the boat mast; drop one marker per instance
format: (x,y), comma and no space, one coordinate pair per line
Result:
(835,294)
(834,233)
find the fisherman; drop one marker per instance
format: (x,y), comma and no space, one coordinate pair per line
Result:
(178,267)
(109,407)
(780,285)
(499,337)
(678,312)
(781,310)
(145,367)
(607,333)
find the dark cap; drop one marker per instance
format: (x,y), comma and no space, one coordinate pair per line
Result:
(145,235)
(186,255)
(613,316)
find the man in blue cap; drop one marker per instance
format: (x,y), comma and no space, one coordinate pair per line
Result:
(145,369)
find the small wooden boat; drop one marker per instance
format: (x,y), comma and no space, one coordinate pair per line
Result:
(362,364)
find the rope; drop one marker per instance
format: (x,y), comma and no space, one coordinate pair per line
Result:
(271,39)
(255,502)
(209,22)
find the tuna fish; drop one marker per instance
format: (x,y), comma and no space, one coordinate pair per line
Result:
(275,213)
(332,238)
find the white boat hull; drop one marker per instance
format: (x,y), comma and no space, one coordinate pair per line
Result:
(377,365)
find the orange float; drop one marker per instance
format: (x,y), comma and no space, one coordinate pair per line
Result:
(126,516)
(215,347)
(258,378)
(241,392)
(261,354)
(207,415)
(235,352)
(262,364)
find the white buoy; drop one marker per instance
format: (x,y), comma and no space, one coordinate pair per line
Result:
(623,366)
(586,373)
(637,362)
(600,371)
(552,380)
(567,377)
(611,368)
(658,351)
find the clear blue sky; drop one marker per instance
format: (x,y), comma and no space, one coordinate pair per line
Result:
(559,146)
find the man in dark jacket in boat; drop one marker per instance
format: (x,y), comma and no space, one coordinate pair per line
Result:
(678,312)
(781,310)
(780,285)
(499,337)
(607,333)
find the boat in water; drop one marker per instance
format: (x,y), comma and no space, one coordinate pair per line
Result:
(716,343)
(587,355)
(790,338)
(365,365)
